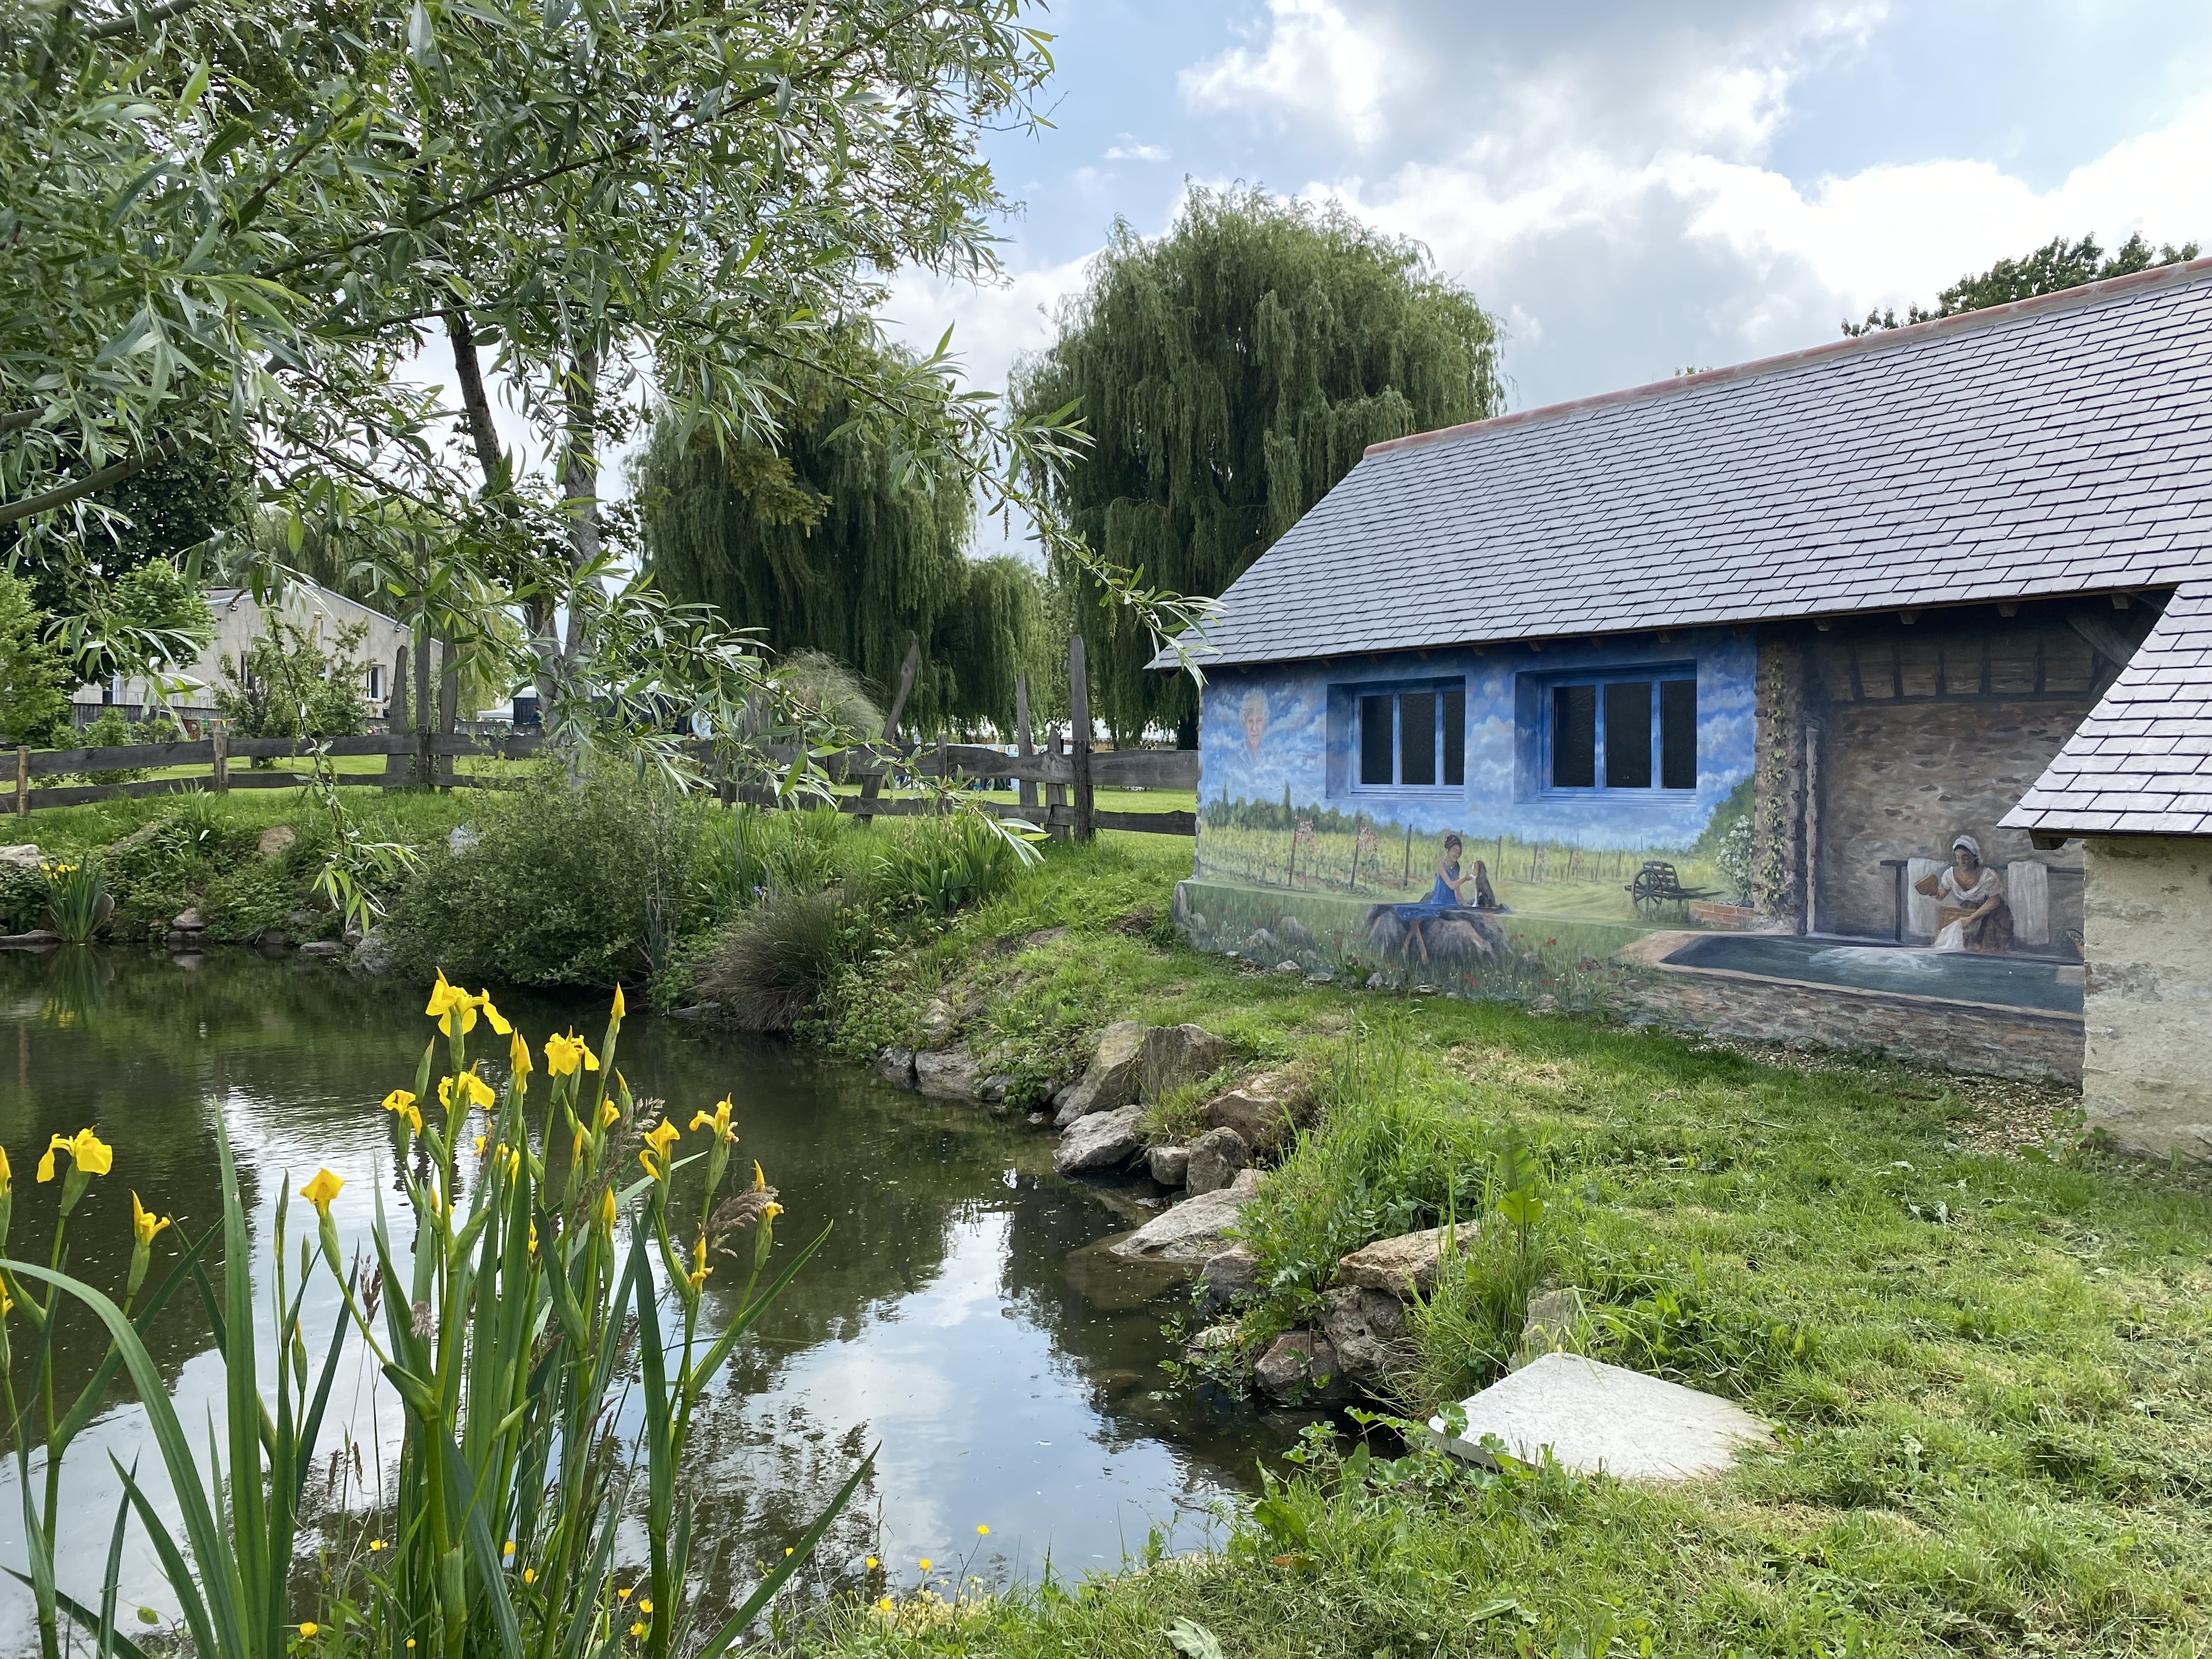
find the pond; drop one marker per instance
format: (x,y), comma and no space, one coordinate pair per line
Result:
(1007,1386)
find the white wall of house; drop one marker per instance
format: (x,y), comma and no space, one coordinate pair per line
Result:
(240,620)
(2147,1065)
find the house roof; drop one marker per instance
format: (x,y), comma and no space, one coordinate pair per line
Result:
(2060,444)
(2141,763)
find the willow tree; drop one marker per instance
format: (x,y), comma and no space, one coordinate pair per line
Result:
(1229,372)
(835,541)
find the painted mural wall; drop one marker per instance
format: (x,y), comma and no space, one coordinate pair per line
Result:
(1442,804)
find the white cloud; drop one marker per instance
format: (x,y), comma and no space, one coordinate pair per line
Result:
(1130,150)
(1316,66)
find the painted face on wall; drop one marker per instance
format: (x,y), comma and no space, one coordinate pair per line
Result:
(1255,713)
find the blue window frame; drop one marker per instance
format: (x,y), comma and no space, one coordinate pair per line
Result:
(1411,736)
(1632,729)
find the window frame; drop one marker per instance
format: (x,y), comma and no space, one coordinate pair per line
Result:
(1439,688)
(1654,676)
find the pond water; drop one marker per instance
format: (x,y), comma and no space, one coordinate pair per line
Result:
(1007,1386)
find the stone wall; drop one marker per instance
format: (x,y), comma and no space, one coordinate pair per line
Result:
(2148,1009)
(2022,1042)
(1902,779)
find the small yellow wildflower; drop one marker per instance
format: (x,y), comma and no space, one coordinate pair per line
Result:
(638,1629)
(645,1604)
(925,1564)
(508,1551)
(787,1549)
(623,1593)
(309,1629)
(376,1544)
(885,1605)
(321,1190)
(529,1575)
(871,1563)
(87,1150)
(983,1532)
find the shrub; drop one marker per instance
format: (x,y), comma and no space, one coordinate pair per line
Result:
(287,684)
(563,884)
(22,898)
(774,963)
(35,705)
(115,730)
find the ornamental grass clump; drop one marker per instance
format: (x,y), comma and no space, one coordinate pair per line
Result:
(78,902)
(513,1328)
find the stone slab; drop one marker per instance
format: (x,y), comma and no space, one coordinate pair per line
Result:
(1192,1230)
(1596,1417)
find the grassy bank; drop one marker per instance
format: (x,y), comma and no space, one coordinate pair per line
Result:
(1981,1342)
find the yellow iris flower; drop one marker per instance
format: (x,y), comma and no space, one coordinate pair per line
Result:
(145,1223)
(475,1091)
(658,1139)
(449,1002)
(718,1121)
(518,1056)
(700,1270)
(402,1103)
(87,1150)
(563,1055)
(619,1007)
(7,1175)
(321,1190)
(609,1114)
(607,1211)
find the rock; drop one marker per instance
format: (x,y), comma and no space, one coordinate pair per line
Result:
(1375,981)
(937,1023)
(1287,967)
(1174,1055)
(322,947)
(24,855)
(896,1068)
(1553,1324)
(1215,1158)
(272,939)
(945,1074)
(460,838)
(1110,1081)
(993,1088)
(1168,1165)
(1367,1329)
(1213,1337)
(1257,1112)
(1301,1368)
(1230,1277)
(1594,1417)
(1043,936)
(31,941)
(375,952)
(1397,1267)
(276,840)
(1194,1230)
(189,920)
(1293,935)
(1100,1141)
(1319,978)
(1037,1120)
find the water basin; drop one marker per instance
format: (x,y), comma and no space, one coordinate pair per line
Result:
(1957,976)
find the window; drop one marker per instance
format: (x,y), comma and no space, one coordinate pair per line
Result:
(1634,733)
(1414,738)
(375,683)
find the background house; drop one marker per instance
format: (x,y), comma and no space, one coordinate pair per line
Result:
(240,620)
(1787,633)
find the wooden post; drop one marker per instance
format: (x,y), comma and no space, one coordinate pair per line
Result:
(449,700)
(425,723)
(396,722)
(1022,745)
(22,781)
(1078,704)
(219,738)
(1055,794)
(871,787)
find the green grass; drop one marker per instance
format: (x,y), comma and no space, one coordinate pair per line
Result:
(1983,1344)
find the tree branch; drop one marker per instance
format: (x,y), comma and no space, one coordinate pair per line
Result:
(63,495)
(130,22)
(478,407)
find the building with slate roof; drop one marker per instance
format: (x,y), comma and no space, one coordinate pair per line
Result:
(1771,695)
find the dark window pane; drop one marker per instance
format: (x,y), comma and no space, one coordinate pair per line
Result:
(1574,737)
(1374,739)
(1454,738)
(1417,737)
(1678,734)
(1628,735)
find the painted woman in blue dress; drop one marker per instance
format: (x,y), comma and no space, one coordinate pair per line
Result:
(1452,892)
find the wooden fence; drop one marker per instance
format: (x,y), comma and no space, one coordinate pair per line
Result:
(1057,785)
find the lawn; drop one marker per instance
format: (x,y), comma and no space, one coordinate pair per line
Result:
(1981,1342)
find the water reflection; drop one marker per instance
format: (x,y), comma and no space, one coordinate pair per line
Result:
(941,1319)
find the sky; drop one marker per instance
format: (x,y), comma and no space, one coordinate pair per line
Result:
(1631,188)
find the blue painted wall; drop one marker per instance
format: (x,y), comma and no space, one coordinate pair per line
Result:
(1264,731)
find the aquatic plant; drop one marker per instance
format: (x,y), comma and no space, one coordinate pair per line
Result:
(77,902)
(511,1332)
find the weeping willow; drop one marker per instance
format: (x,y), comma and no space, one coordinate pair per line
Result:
(1231,372)
(829,544)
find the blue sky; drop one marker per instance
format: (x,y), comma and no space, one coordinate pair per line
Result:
(1631,187)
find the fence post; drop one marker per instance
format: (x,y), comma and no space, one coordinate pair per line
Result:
(944,769)
(1055,794)
(870,787)
(449,702)
(395,720)
(219,742)
(1078,703)
(1022,745)
(22,781)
